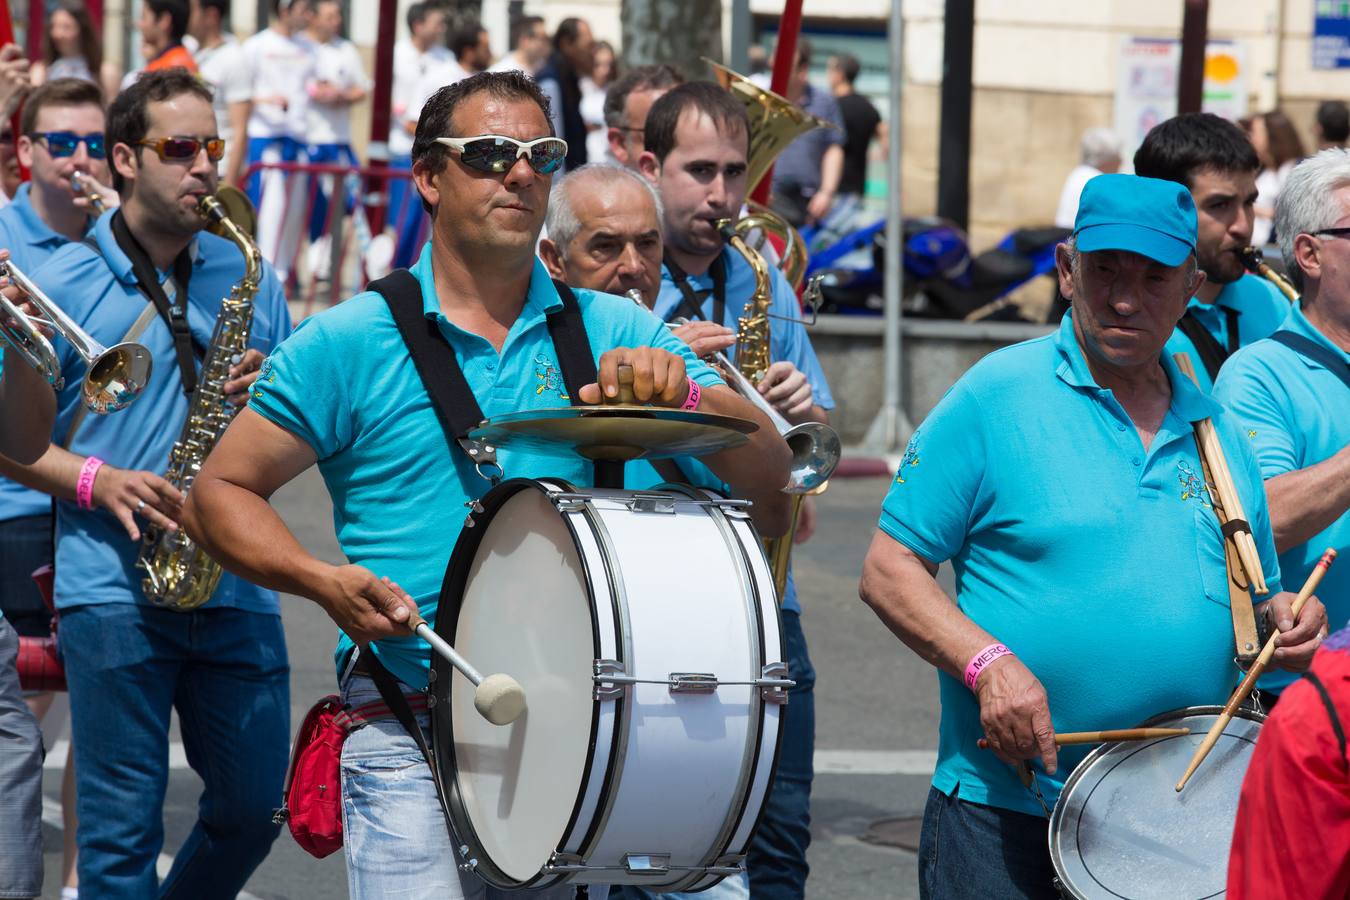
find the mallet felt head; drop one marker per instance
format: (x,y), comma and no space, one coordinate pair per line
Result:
(500,699)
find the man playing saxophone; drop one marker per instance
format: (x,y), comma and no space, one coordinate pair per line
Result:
(150,273)
(697,143)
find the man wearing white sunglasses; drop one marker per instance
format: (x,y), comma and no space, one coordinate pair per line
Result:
(345,394)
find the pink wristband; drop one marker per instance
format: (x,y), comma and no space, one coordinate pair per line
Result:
(980,660)
(695,392)
(84,488)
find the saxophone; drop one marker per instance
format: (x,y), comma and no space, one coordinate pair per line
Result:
(178,573)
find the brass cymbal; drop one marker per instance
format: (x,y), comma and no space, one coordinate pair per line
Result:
(618,433)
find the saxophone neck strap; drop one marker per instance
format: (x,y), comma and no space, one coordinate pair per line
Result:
(691,306)
(170,297)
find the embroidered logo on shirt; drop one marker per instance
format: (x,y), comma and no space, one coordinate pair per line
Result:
(550,378)
(910,459)
(1251,434)
(265,375)
(1193,487)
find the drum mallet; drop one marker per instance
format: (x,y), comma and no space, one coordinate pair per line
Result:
(498,698)
(1258,668)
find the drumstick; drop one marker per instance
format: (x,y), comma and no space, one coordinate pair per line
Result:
(1255,672)
(1229,501)
(1071,738)
(498,698)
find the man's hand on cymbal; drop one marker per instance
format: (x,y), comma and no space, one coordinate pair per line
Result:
(659,377)
(1015,713)
(705,338)
(1298,640)
(365,607)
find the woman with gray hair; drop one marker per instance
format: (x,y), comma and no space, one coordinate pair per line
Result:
(1099,154)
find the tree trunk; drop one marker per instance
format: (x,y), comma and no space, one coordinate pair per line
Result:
(679,33)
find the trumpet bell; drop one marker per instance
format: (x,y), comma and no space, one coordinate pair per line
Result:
(116,377)
(816,450)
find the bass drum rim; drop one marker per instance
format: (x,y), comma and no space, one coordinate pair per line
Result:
(1065,889)
(463,833)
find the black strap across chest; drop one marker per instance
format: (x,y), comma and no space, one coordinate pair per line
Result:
(1318,353)
(1212,354)
(174,314)
(691,304)
(451,396)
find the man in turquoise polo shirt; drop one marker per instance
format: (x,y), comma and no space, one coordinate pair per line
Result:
(344,393)
(130,663)
(1061,480)
(1232,308)
(1294,401)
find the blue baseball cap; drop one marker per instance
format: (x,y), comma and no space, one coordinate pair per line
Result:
(1148,216)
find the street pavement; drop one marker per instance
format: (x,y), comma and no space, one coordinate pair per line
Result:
(876,714)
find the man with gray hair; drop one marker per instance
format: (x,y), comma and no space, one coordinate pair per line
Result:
(1099,154)
(1291,391)
(626,106)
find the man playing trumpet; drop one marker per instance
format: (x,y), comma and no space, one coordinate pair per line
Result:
(151,276)
(1060,478)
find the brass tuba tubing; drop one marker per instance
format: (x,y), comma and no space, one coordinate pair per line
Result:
(116,375)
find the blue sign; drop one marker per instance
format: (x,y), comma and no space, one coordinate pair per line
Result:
(1331,34)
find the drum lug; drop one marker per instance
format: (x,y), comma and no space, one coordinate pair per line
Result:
(693,683)
(653,502)
(559,861)
(774,683)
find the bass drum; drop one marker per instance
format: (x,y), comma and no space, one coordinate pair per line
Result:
(644,629)
(1121,830)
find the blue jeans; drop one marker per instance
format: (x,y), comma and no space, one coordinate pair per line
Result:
(777,858)
(395,836)
(20,781)
(968,850)
(225,671)
(405,215)
(25,545)
(328,154)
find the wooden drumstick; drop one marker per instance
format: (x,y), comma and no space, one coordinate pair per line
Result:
(498,698)
(1255,672)
(1072,738)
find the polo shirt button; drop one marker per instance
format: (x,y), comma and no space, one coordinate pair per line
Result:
(491,366)
(1120,427)
(1136,460)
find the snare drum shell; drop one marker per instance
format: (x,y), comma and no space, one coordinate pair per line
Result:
(1120,829)
(544,589)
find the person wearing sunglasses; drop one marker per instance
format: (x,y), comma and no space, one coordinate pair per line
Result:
(149,273)
(344,393)
(1215,161)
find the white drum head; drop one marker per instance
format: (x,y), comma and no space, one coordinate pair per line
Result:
(1120,828)
(526,612)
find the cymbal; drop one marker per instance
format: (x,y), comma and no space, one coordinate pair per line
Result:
(612,432)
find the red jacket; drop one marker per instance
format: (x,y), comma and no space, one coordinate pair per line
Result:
(1292,838)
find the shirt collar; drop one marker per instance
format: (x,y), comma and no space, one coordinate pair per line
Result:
(1188,401)
(541,299)
(119,262)
(38,231)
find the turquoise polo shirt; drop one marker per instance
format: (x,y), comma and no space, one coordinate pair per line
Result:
(345,385)
(1296,414)
(95,560)
(1099,563)
(30,242)
(1260,307)
(787,341)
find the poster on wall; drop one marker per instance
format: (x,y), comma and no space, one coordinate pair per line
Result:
(1146,85)
(1331,34)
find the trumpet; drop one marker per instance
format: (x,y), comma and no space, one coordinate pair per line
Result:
(83,186)
(116,375)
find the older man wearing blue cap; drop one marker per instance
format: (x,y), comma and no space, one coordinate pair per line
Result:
(1061,480)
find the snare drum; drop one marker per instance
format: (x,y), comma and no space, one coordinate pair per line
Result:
(644,629)
(1122,830)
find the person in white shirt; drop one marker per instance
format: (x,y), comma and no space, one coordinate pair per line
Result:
(222,63)
(530,46)
(1100,155)
(422,50)
(339,82)
(282,61)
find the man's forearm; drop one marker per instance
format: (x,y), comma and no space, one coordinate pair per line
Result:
(242,532)
(27,408)
(1306,502)
(831,170)
(238,149)
(56,472)
(903,592)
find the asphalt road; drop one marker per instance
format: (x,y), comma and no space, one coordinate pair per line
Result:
(876,714)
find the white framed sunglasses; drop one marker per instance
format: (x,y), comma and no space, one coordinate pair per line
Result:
(497,153)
